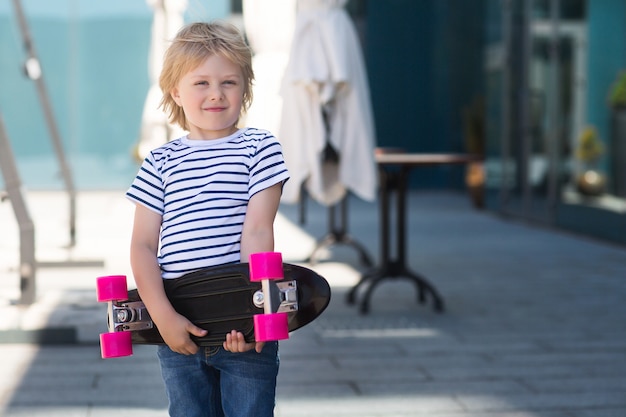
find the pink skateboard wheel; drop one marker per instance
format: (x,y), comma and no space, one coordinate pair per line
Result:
(111,288)
(266,265)
(115,345)
(271,327)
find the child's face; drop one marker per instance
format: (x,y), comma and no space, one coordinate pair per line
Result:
(211,96)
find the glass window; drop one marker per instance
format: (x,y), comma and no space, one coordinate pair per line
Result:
(568,9)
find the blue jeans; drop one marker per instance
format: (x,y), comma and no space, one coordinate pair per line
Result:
(216,383)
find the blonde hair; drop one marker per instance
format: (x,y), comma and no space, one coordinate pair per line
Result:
(192,45)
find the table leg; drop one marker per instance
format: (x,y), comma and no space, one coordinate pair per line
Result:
(376,274)
(393,268)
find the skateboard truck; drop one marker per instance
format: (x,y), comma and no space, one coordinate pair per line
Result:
(128,316)
(282,294)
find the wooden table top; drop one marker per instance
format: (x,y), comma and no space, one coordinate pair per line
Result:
(410,159)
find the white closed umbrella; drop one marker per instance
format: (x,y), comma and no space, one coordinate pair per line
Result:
(326,71)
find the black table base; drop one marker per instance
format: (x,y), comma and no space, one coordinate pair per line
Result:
(393,178)
(373,277)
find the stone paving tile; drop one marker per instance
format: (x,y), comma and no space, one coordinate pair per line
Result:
(544,401)
(601,412)
(370,406)
(572,384)
(88,411)
(447,388)
(46,410)
(311,388)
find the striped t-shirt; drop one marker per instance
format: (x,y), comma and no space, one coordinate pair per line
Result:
(201,189)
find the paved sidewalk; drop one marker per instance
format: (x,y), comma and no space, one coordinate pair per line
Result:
(535,321)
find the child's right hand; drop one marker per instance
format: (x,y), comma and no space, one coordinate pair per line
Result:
(176,335)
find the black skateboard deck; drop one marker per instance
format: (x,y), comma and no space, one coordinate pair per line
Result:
(221,299)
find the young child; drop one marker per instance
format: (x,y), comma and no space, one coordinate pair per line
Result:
(208,198)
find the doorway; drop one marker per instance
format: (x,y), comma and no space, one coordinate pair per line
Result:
(538,69)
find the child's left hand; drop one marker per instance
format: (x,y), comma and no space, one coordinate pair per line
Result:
(235,342)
